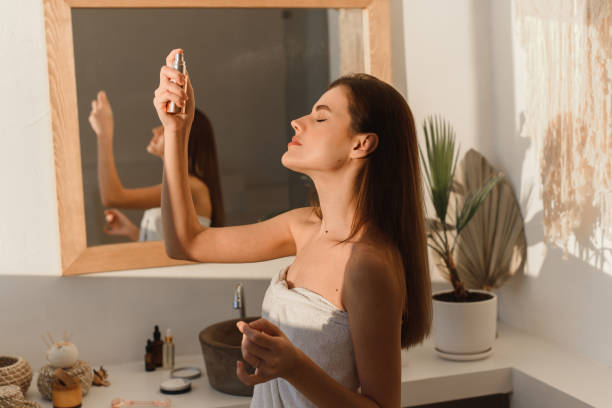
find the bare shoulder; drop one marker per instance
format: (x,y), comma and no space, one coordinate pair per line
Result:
(373,271)
(197,186)
(303,217)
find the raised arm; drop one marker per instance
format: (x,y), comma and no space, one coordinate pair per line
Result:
(184,237)
(112,192)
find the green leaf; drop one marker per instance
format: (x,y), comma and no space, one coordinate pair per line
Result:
(473,202)
(439,168)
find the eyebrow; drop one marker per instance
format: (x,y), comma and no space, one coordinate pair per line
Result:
(319,107)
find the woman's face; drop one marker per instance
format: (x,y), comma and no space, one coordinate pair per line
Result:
(156,145)
(323,139)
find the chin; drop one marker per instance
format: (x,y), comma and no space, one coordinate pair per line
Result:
(291,163)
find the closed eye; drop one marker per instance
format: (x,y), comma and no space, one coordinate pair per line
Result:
(321,120)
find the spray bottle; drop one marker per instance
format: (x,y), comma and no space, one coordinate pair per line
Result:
(179,65)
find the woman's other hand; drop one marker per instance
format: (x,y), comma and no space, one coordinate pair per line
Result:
(265,347)
(156,145)
(101,116)
(118,224)
(179,92)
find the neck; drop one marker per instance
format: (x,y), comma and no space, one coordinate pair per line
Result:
(337,204)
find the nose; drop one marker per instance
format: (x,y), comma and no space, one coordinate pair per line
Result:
(296,125)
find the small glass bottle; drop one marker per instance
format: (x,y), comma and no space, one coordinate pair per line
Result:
(168,351)
(156,347)
(149,364)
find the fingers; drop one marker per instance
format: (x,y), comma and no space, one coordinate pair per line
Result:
(251,359)
(189,91)
(102,99)
(257,337)
(169,91)
(162,97)
(170,57)
(266,326)
(253,352)
(246,378)
(173,87)
(169,73)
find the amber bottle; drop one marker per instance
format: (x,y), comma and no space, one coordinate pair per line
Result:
(149,364)
(158,348)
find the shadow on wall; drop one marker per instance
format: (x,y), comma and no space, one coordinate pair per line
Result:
(587,241)
(565,304)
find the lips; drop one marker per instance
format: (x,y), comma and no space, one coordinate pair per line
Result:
(295,140)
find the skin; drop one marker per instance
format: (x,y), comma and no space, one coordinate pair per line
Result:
(112,191)
(360,276)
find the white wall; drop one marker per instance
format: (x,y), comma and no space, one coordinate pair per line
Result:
(28,226)
(448,68)
(462,62)
(567,301)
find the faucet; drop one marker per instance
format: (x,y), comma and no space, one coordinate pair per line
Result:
(239,299)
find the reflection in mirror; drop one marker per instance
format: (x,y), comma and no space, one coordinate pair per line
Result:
(254,70)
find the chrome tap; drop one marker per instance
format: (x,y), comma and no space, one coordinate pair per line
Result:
(239,299)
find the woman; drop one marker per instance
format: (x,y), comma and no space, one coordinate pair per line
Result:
(203,178)
(359,288)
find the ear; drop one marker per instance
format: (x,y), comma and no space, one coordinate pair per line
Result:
(363,145)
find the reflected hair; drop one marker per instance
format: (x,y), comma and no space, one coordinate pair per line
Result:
(203,163)
(388,192)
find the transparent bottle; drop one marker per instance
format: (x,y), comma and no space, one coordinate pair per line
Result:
(168,351)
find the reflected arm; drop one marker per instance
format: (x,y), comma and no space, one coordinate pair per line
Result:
(112,192)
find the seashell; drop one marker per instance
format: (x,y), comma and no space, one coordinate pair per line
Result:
(62,354)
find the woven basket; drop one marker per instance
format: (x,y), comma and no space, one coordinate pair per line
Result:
(81,370)
(15,371)
(11,396)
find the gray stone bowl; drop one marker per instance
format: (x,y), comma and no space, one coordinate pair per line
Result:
(221,348)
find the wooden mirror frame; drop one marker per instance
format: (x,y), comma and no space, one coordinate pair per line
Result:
(367,53)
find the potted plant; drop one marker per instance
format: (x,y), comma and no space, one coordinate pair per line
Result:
(464,321)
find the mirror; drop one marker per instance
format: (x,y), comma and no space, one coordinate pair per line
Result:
(270,68)
(288,74)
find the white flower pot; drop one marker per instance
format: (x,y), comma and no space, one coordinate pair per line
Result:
(464,330)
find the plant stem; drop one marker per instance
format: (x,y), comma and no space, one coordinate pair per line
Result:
(461,293)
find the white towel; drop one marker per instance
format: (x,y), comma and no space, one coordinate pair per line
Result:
(151,228)
(318,328)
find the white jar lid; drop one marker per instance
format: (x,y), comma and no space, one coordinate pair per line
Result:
(175,386)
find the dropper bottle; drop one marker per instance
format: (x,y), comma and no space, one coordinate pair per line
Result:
(168,351)
(179,65)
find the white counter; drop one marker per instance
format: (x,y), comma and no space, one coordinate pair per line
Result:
(522,364)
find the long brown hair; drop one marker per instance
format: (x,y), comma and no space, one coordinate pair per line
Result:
(203,163)
(389,192)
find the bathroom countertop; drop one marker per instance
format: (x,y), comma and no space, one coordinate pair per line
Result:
(426,378)
(131,381)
